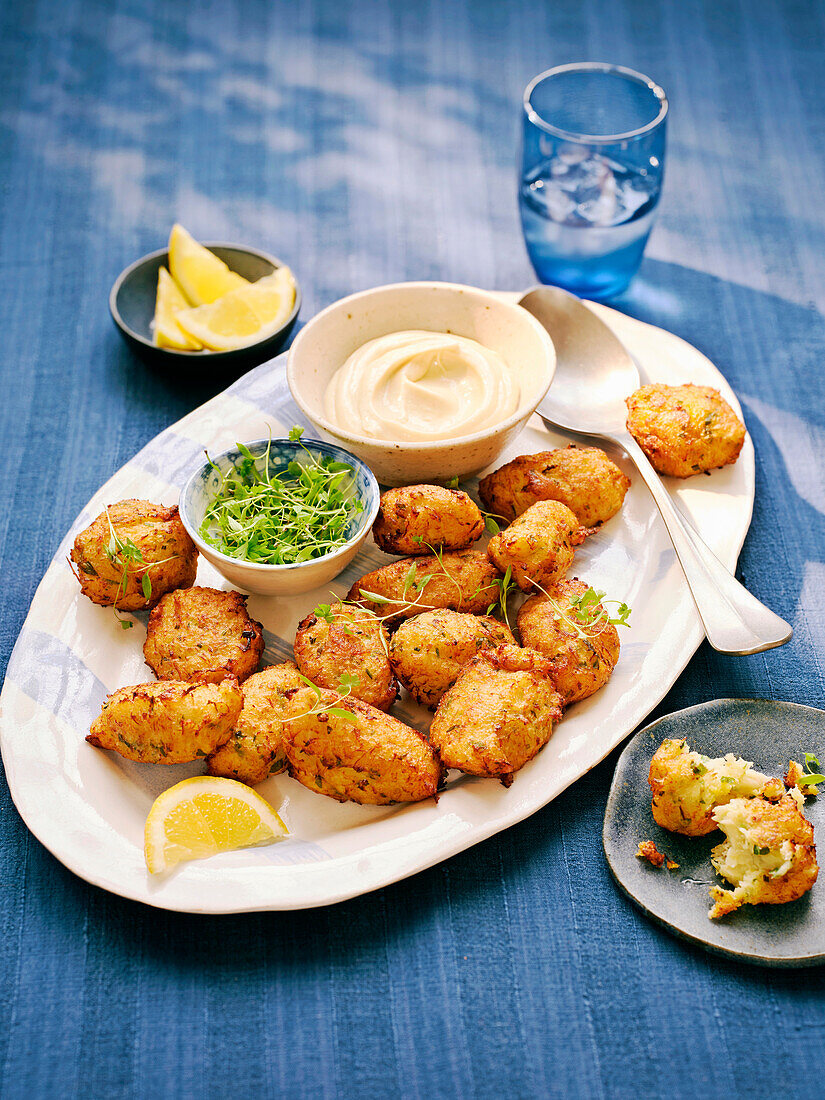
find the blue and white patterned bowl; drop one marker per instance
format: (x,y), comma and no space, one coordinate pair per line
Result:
(279,580)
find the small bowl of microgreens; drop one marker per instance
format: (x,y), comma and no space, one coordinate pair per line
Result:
(280,516)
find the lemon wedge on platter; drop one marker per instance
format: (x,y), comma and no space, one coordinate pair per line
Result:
(204,815)
(243,316)
(168,304)
(199,273)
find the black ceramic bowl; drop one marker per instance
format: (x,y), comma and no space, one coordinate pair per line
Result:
(132,304)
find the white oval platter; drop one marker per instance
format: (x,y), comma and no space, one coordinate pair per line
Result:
(88,807)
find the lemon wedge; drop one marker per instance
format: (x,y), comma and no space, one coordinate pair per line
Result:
(168,303)
(243,316)
(199,273)
(205,815)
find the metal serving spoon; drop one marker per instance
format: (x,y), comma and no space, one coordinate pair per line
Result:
(594,374)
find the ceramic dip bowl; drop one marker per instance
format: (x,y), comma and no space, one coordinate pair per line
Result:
(329,339)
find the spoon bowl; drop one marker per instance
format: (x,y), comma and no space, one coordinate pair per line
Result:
(594,372)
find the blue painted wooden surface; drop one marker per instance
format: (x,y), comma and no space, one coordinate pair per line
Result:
(365,143)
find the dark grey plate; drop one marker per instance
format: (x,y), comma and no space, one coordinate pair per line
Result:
(770,734)
(132,305)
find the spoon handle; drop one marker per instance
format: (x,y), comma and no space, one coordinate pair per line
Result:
(734,620)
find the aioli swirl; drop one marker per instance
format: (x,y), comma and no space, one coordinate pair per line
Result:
(420,386)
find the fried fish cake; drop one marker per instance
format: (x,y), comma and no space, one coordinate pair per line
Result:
(430,651)
(368,757)
(768,854)
(538,545)
(419,519)
(583,478)
(584,656)
(130,541)
(464,580)
(167,722)
(498,714)
(351,639)
(204,633)
(255,747)
(688,786)
(684,430)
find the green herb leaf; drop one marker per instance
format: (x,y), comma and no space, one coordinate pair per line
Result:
(339,712)
(453,482)
(757,851)
(812,773)
(310,684)
(295,433)
(146,586)
(491,525)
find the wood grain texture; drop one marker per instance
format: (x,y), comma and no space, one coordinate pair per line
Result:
(367,143)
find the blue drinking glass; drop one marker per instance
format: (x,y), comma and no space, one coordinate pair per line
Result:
(592,164)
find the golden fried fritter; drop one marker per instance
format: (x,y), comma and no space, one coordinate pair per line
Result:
(203,633)
(583,478)
(684,430)
(538,545)
(429,651)
(168,722)
(463,580)
(687,786)
(369,757)
(419,519)
(498,714)
(769,854)
(350,639)
(255,748)
(583,656)
(149,541)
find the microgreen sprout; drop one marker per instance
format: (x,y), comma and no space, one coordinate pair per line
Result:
(346,682)
(125,555)
(587,615)
(490,518)
(812,772)
(505,586)
(286,518)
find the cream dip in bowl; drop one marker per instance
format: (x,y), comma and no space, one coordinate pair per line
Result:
(423,381)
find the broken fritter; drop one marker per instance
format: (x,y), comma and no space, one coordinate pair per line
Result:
(687,786)
(768,854)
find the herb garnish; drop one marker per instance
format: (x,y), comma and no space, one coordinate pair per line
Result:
(586,613)
(282,519)
(123,553)
(812,774)
(346,682)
